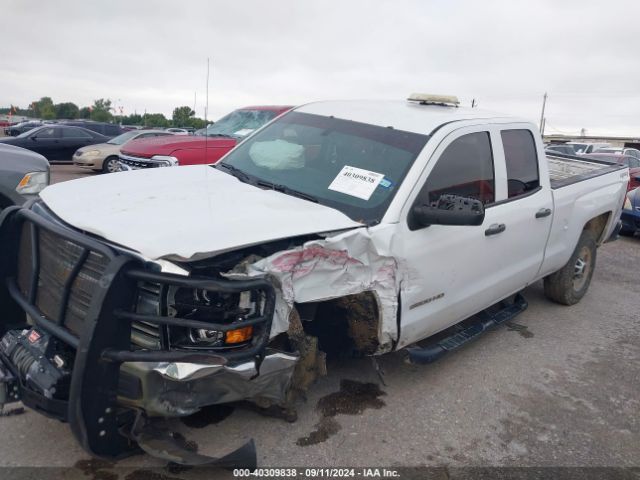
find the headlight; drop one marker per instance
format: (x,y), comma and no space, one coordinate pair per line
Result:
(627,203)
(33,183)
(91,153)
(165,161)
(216,307)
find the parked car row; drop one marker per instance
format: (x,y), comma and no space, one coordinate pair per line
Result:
(103,128)
(55,141)
(104,156)
(580,148)
(141,148)
(209,147)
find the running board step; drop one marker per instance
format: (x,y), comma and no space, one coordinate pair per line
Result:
(485,321)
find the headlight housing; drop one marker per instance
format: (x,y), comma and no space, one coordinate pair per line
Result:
(90,153)
(33,183)
(216,307)
(196,304)
(165,160)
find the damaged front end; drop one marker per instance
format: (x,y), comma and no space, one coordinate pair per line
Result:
(83,342)
(95,336)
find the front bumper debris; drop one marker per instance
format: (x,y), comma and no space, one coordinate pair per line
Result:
(178,389)
(157,439)
(68,305)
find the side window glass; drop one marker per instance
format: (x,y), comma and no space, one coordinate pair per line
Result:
(73,132)
(522,161)
(46,133)
(465,168)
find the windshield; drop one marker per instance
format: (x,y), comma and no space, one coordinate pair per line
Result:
(353,167)
(240,123)
(124,138)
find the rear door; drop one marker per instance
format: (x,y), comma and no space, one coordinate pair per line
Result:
(72,139)
(525,208)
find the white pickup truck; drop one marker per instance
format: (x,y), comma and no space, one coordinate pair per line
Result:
(356,227)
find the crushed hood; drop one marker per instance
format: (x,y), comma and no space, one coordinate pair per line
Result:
(185,213)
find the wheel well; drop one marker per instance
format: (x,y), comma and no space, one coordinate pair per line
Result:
(344,326)
(597,225)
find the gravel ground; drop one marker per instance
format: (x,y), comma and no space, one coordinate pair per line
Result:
(559,386)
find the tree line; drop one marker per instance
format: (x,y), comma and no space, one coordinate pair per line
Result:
(103,110)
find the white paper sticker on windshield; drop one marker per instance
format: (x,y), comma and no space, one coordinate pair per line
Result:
(243,132)
(356,182)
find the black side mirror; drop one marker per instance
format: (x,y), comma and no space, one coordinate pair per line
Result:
(450,210)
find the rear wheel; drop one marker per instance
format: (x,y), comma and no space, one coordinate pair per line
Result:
(111,165)
(569,284)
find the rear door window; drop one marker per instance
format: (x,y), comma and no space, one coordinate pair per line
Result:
(111,130)
(74,132)
(521,160)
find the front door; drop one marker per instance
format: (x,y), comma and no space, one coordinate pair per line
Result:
(45,141)
(72,139)
(456,271)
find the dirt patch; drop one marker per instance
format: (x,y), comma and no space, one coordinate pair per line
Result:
(96,469)
(523,330)
(361,312)
(312,363)
(353,398)
(148,475)
(325,428)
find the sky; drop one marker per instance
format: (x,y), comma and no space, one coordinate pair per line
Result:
(152,55)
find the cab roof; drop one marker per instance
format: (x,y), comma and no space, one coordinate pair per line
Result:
(400,114)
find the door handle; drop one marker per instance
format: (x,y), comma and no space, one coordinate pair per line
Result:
(543,212)
(495,229)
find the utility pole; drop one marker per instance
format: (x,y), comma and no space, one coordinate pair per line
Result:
(206,108)
(544,103)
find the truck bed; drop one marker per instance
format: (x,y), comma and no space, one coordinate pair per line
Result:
(568,169)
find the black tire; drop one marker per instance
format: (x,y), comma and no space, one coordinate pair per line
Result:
(626,232)
(111,165)
(568,285)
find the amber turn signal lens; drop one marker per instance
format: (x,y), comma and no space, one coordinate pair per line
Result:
(238,336)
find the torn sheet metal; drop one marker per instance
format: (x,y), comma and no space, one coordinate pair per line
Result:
(178,389)
(345,264)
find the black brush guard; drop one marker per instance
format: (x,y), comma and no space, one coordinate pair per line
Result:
(104,341)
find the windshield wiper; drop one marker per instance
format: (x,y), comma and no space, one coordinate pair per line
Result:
(286,190)
(235,171)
